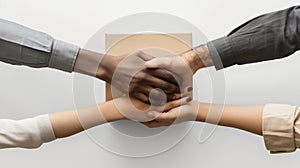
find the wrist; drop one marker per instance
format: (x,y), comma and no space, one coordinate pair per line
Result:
(87,62)
(193,60)
(198,58)
(94,64)
(110,112)
(203,111)
(106,68)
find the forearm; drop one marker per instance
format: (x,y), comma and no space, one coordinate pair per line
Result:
(68,123)
(33,132)
(248,118)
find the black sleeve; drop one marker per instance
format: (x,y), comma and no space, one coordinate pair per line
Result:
(266,37)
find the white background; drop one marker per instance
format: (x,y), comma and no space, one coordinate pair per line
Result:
(27,92)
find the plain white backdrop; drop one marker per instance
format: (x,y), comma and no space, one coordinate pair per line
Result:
(27,92)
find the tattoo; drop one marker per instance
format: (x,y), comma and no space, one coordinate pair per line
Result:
(203,53)
(198,58)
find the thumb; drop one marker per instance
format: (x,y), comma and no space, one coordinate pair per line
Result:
(145,56)
(154,63)
(163,62)
(153,114)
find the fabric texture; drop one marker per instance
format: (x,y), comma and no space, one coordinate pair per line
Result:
(21,45)
(266,37)
(27,133)
(281,127)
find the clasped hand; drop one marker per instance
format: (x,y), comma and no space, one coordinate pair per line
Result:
(157,91)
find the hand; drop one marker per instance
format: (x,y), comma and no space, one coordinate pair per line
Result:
(184,65)
(129,74)
(177,65)
(187,112)
(134,109)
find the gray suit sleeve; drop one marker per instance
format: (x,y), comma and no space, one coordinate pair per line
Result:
(266,37)
(21,45)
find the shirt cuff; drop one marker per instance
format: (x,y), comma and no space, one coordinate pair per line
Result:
(63,56)
(221,53)
(278,128)
(45,128)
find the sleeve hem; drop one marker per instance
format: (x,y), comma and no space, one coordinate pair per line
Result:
(45,128)
(221,53)
(63,56)
(278,128)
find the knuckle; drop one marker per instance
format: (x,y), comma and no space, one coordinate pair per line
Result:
(133,87)
(150,125)
(169,76)
(164,85)
(145,100)
(172,104)
(175,96)
(170,96)
(138,52)
(173,87)
(140,75)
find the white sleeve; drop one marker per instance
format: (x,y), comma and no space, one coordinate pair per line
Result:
(27,133)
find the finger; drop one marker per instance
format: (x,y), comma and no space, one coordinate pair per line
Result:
(157,95)
(158,62)
(140,96)
(169,117)
(151,124)
(151,96)
(177,103)
(165,75)
(164,85)
(154,124)
(188,92)
(174,96)
(144,56)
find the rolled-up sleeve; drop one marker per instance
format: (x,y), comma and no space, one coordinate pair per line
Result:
(20,45)
(266,37)
(281,127)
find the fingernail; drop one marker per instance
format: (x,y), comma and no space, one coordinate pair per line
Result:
(190,89)
(188,99)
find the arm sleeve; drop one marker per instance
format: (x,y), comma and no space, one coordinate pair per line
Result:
(21,45)
(281,127)
(266,37)
(27,133)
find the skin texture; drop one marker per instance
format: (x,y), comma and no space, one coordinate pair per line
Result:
(140,84)
(248,118)
(189,62)
(184,65)
(67,123)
